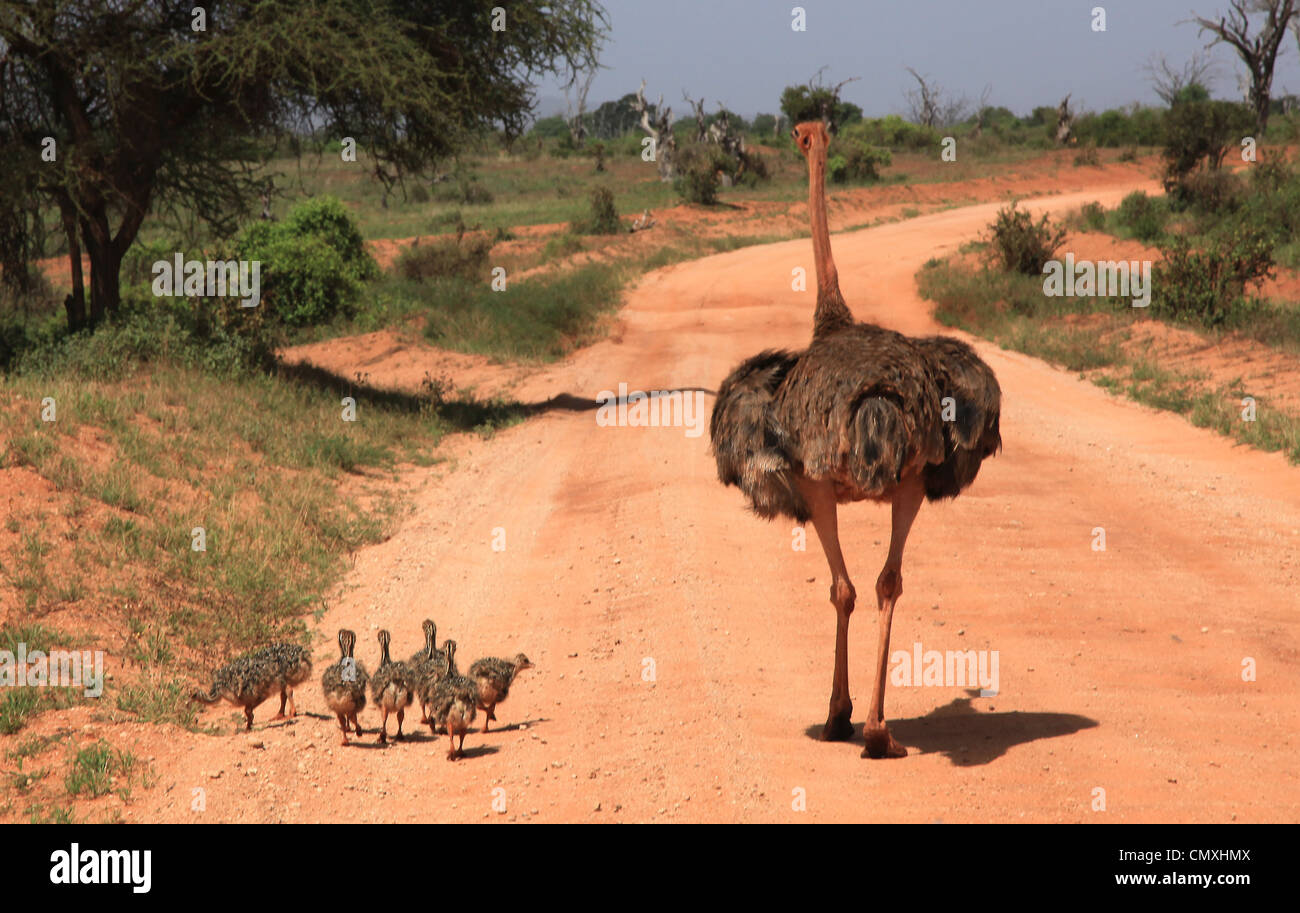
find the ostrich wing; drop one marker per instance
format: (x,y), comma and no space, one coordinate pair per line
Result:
(750,448)
(973,433)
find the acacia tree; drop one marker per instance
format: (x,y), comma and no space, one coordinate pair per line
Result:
(1258,53)
(153,104)
(817,101)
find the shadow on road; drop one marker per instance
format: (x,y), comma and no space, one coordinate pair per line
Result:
(968,737)
(461,414)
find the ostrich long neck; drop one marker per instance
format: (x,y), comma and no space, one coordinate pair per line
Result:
(831,312)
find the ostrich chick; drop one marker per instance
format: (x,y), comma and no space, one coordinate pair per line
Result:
(344,684)
(246,683)
(492,677)
(391,688)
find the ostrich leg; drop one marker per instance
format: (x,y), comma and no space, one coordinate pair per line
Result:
(820,497)
(889,586)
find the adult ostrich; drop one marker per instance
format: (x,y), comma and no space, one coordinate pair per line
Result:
(863,413)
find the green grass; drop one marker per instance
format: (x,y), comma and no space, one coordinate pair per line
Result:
(19,704)
(1012,311)
(23,780)
(541,318)
(42,814)
(100,769)
(34,745)
(159,702)
(16,705)
(260,460)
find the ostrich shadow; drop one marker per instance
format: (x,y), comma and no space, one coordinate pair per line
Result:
(969,738)
(512,727)
(462,413)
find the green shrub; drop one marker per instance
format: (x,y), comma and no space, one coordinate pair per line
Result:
(1273,201)
(1023,245)
(1208,285)
(891,132)
(326,218)
(1093,215)
(698,168)
(1199,133)
(464,256)
(1143,216)
(856,160)
(312,264)
(1140,126)
(604,217)
(1207,191)
(304,280)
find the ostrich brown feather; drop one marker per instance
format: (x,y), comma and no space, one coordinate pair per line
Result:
(862,413)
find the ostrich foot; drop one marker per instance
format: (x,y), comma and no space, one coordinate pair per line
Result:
(278,716)
(880,744)
(838,727)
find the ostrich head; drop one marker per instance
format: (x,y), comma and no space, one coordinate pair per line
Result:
(811,135)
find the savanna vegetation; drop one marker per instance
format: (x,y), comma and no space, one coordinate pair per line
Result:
(380,184)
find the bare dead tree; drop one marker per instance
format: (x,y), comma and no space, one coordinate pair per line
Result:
(701,130)
(718,133)
(923,101)
(931,106)
(1064,123)
(721,134)
(830,101)
(575,95)
(730,142)
(1258,53)
(657,122)
(1169,82)
(982,110)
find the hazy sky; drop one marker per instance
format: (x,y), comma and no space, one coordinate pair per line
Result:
(1032,52)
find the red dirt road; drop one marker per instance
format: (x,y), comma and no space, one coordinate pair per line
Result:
(1119,670)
